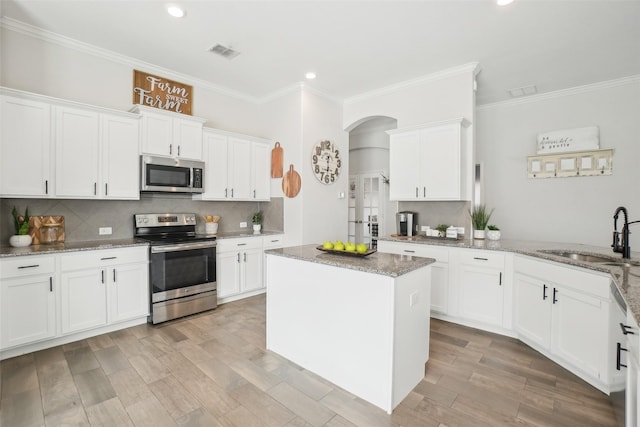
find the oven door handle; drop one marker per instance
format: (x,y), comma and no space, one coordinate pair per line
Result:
(182,247)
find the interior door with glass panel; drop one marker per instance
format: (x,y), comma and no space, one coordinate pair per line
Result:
(365,209)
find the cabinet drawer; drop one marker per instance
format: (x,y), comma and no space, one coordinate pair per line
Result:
(270,242)
(102,258)
(482,258)
(229,245)
(417,249)
(26,266)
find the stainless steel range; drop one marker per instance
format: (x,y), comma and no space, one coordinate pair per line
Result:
(182,268)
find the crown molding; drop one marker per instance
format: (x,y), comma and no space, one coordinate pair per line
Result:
(562,93)
(473,67)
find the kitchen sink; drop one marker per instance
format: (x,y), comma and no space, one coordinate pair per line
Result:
(581,257)
(626,263)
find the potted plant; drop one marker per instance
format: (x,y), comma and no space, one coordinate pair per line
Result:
(257,221)
(442,230)
(21,222)
(493,233)
(479,220)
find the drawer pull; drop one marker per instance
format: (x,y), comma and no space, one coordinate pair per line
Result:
(108,258)
(619,350)
(410,252)
(481,259)
(28,266)
(275,241)
(625,329)
(241,244)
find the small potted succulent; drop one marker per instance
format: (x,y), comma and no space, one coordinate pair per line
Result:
(479,219)
(257,221)
(493,232)
(21,223)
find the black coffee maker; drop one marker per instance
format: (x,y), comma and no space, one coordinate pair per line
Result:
(406,223)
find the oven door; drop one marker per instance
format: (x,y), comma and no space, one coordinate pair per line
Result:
(181,270)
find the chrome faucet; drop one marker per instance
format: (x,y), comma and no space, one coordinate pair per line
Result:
(623,248)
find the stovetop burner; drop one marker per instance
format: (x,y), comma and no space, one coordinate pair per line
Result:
(168,228)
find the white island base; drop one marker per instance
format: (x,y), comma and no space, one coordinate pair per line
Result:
(365,332)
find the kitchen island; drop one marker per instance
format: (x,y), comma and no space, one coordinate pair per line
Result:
(360,322)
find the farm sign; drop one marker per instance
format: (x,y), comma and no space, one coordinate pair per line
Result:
(161,93)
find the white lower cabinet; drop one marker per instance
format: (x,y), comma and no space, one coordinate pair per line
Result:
(239,266)
(565,313)
(103,287)
(27,300)
(632,399)
(480,286)
(439,269)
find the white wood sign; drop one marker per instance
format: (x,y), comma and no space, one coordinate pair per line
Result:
(569,140)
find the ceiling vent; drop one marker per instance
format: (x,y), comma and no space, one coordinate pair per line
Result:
(224,51)
(523,91)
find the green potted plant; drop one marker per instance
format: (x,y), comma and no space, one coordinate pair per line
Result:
(21,223)
(442,230)
(479,220)
(257,221)
(493,232)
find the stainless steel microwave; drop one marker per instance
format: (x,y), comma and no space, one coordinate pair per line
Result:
(171,175)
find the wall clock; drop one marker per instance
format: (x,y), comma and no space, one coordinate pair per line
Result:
(326,162)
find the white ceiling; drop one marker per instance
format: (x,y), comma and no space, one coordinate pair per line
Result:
(359,46)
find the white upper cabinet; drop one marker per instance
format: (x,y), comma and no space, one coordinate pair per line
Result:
(25,148)
(120,137)
(171,134)
(430,162)
(77,139)
(238,167)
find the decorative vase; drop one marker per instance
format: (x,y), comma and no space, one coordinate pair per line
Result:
(478,234)
(20,240)
(257,228)
(493,234)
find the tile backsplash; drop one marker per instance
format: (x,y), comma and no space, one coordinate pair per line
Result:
(84,217)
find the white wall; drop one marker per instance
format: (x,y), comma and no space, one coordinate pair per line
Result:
(576,210)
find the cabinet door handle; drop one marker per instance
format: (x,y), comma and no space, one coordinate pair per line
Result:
(225,192)
(50,284)
(232,193)
(95,188)
(409,251)
(500,282)
(416,192)
(170,149)
(238,257)
(555,291)
(102,276)
(625,329)
(114,275)
(245,256)
(106,189)
(178,150)
(544,292)
(424,191)
(619,350)
(481,259)
(254,194)
(28,266)
(46,186)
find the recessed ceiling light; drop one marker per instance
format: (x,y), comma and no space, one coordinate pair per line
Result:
(503,2)
(310,75)
(175,11)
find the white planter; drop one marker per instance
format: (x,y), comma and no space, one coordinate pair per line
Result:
(20,241)
(493,234)
(478,234)
(257,228)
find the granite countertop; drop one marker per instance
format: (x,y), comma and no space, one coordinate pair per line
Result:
(381,263)
(8,251)
(626,278)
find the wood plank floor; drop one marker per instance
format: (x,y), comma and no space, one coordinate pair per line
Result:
(212,369)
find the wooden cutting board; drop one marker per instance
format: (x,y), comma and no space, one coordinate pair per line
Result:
(291,183)
(276,161)
(38,222)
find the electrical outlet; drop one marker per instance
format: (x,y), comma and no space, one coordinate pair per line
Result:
(104,231)
(414,298)
(243,225)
